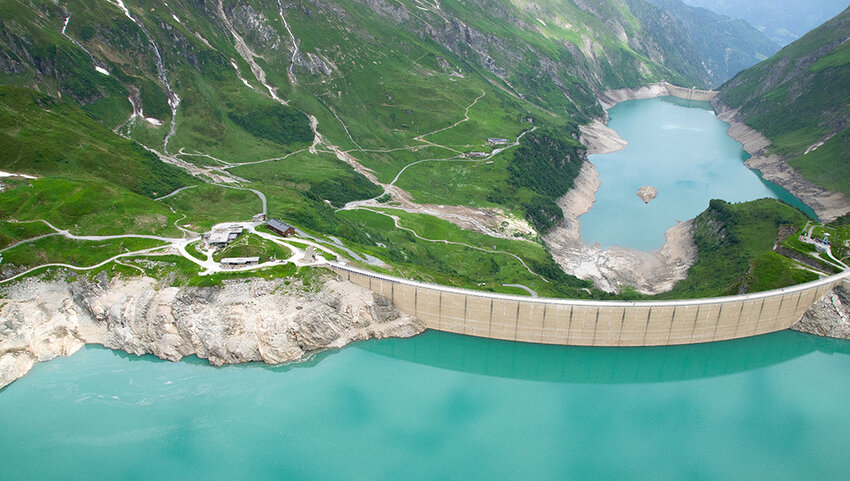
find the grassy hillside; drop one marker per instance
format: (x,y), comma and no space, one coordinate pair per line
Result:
(800,98)
(46,137)
(276,93)
(735,243)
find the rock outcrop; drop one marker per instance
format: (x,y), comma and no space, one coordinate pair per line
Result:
(829,316)
(273,321)
(647,193)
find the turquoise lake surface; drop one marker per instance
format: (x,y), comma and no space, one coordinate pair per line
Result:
(680,148)
(441,406)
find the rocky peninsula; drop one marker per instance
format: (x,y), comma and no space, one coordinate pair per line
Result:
(273,321)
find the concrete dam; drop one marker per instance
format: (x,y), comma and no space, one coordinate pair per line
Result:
(595,323)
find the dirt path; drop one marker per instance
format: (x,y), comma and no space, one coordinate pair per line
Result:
(85,268)
(397,220)
(299,256)
(421,138)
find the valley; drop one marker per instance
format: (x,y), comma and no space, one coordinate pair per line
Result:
(435,144)
(306,143)
(598,222)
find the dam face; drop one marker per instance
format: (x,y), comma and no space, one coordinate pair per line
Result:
(594,323)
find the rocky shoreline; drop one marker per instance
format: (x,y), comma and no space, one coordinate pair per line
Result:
(616,267)
(600,139)
(273,321)
(827,205)
(829,316)
(656,272)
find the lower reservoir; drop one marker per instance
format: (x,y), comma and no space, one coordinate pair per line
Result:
(680,148)
(441,406)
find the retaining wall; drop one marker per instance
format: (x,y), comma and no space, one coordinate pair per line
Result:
(594,323)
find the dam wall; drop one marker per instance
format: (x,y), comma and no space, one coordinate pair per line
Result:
(690,94)
(594,323)
(610,98)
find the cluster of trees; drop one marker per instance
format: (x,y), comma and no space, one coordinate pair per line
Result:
(542,169)
(278,123)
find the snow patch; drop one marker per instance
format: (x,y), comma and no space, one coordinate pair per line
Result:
(101,70)
(238,74)
(817,144)
(154,121)
(9,174)
(121,5)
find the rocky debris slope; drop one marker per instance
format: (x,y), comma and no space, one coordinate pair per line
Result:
(273,321)
(829,316)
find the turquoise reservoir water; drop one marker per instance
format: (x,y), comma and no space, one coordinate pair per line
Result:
(681,149)
(441,406)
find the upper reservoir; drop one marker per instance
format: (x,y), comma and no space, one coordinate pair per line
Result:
(440,406)
(680,148)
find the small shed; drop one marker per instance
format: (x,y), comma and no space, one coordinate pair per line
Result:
(280,227)
(239,261)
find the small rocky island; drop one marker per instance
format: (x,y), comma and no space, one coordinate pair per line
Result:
(647,193)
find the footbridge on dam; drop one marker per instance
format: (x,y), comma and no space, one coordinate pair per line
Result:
(595,323)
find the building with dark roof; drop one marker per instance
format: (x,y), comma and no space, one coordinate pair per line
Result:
(280,227)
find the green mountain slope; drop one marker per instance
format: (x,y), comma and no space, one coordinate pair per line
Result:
(783,21)
(93,180)
(800,100)
(321,103)
(717,47)
(233,80)
(45,137)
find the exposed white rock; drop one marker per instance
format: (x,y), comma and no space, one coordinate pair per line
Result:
(243,321)
(829,316)
(647,193)
(601,139)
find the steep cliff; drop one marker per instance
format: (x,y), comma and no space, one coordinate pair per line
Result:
(249,320)
(829,316)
